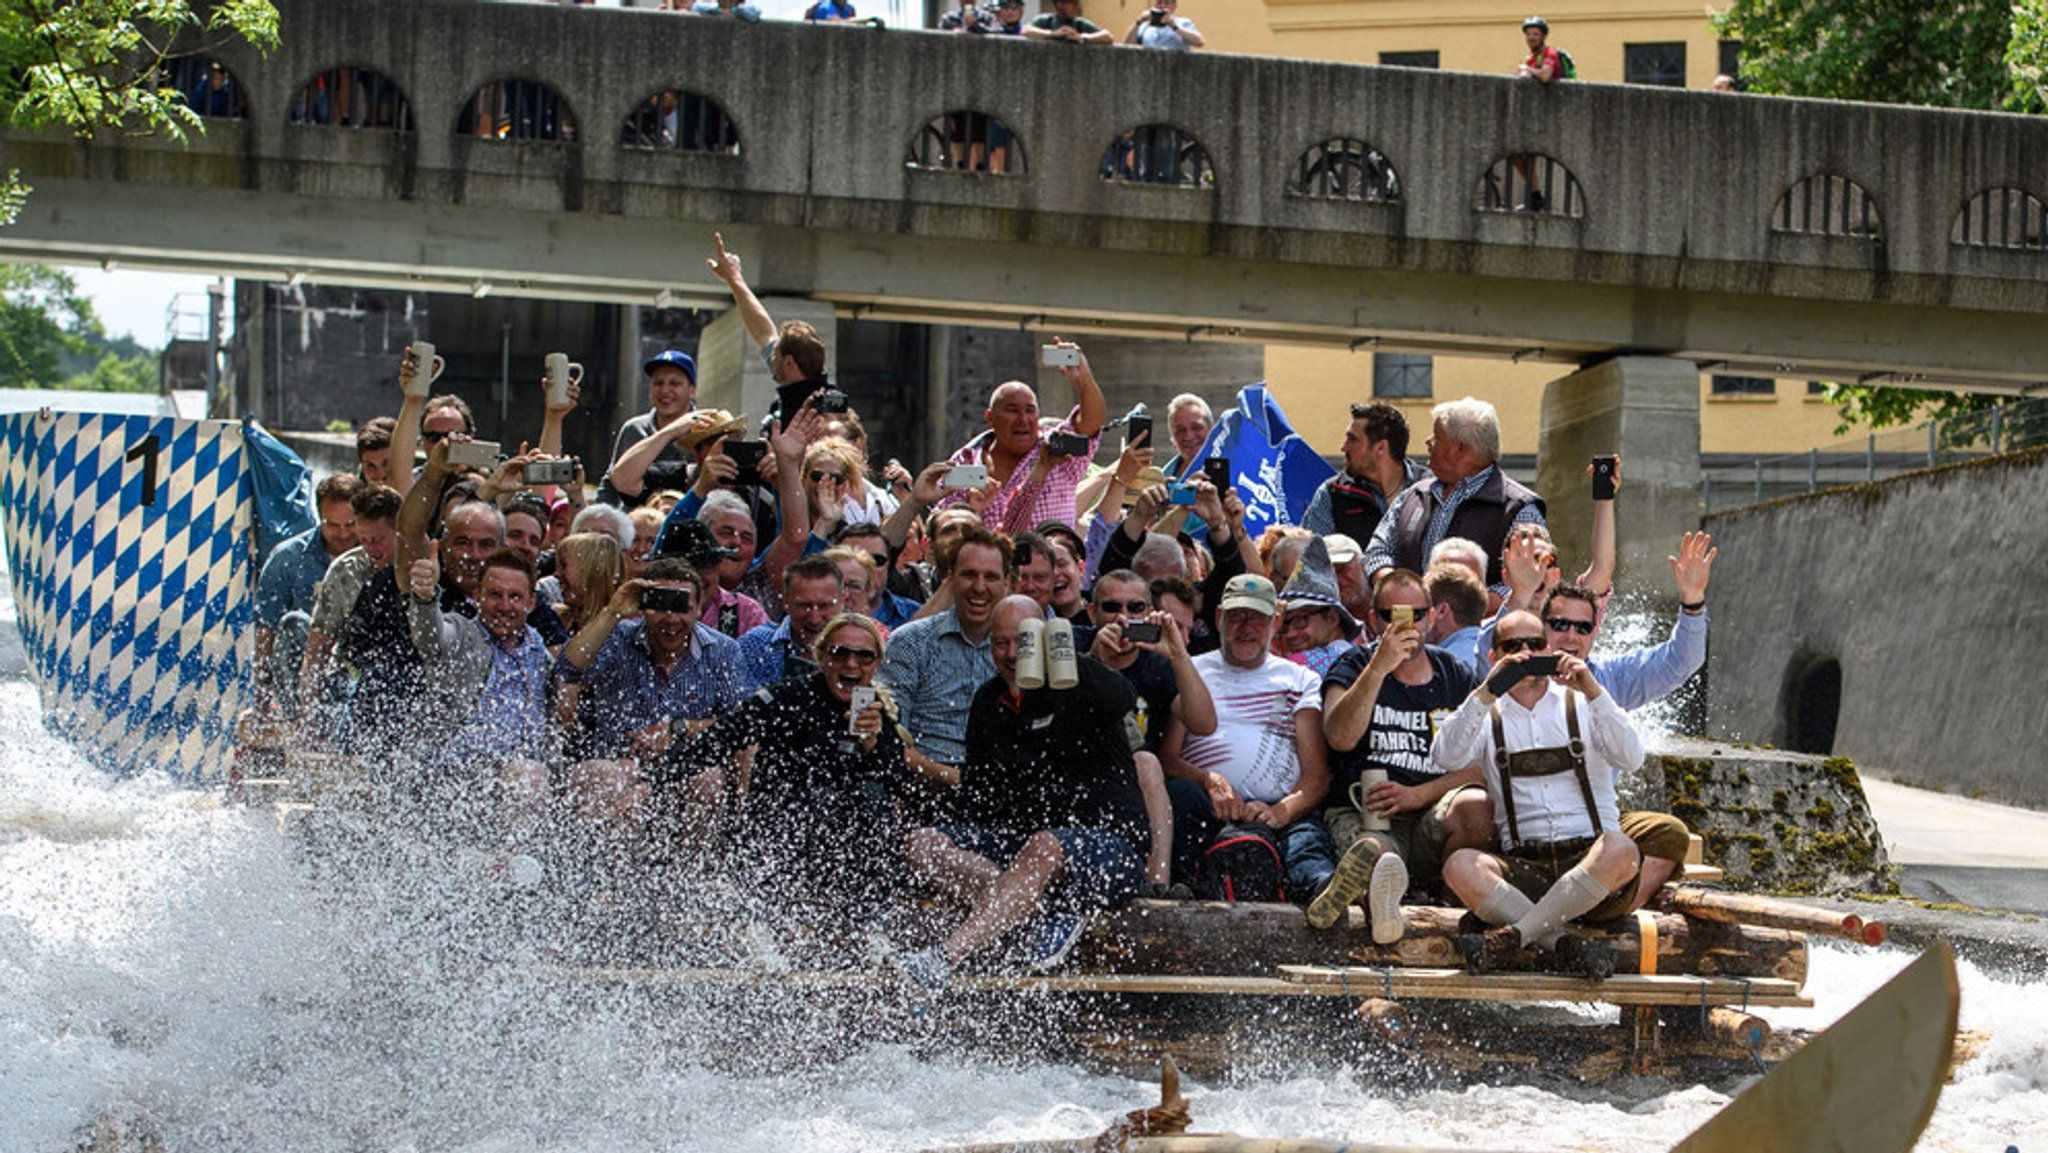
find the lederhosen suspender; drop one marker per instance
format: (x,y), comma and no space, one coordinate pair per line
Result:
(1542,763)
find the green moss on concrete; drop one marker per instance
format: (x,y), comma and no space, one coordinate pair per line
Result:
(1822,812)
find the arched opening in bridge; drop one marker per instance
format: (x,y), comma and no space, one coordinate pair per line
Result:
(1825,204)
(353,98)
(517,110)
(967,141)
(1531,182)
(209,88)
(1813,703)
(2002,218)
(683,121)
(1158,154)
(1345,168)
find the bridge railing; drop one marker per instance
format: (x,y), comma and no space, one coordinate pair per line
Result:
(2005,427)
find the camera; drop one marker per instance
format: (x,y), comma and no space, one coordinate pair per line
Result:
(1217,469)
(662,599)
(1066,444)
(473,454)
(1138,427)
(1180,495)
(829,400)
(1400,615)
(748,455)
(965,476)
(1157,16)
(860,697)
(549,472)
(1603,477)
(1056,356)
(1136,631)
(1022,555)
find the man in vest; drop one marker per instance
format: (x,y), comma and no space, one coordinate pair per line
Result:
(1550,744)
(1376,469)
(1465,495)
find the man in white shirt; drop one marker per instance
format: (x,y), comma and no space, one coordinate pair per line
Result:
(1550,741)
(1266,762)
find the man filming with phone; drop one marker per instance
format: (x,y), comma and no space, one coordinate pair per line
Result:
(1550,741)
(1032,479)
(1161,27)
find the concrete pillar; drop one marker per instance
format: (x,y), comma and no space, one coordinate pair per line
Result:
(730,372)
(629,398)
(1648,410)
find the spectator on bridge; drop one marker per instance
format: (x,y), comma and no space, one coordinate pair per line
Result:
(750,13)
(1009,18)
(1466,495)
(284,590)
(970,18)
(1376,469)
(1028,482)
(1065,22)
(830,12)
(672,393)
(1545,63)
(216,94)
(1161,27)
(1725,83)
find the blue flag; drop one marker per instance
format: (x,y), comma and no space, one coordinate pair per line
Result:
(1274,471)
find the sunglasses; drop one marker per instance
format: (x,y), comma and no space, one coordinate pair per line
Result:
(1118,608)
(1563,625)
(859,656)
(819,476)
(432,437)
(1520,644)
(1386,615)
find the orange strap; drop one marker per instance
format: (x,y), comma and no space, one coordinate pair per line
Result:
(1646,933)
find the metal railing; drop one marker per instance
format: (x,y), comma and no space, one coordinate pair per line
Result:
(2005,427)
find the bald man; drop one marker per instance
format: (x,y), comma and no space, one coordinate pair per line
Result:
(1056,822)
(1028,483)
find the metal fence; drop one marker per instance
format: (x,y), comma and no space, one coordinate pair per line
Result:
(2005,427)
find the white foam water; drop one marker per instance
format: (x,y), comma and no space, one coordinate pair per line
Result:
(169,964)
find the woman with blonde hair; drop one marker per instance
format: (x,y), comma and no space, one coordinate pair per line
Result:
(832,472)
(588,569)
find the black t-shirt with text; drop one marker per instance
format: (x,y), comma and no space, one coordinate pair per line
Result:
(1404,719)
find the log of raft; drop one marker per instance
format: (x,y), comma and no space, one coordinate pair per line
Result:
(1214,938)
(1749,909)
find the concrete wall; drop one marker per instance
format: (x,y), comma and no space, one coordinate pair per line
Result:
(1924,595)
(1674,255)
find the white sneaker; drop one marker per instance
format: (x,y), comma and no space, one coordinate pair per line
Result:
(1383,899)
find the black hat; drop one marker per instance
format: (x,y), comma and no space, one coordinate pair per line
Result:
(691,540)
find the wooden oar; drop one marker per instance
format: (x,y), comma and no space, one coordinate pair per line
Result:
(1869,1083)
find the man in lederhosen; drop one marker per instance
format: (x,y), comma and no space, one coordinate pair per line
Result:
(1550,741)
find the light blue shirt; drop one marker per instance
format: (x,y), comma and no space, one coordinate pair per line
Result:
(289,576)
(932,671)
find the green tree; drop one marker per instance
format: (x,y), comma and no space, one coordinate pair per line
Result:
(98,66)
(1944,53)
(42,317)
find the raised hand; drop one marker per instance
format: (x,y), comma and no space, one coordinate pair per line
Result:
(1693,565)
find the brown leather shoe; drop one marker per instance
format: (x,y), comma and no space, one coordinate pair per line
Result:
(1485,952)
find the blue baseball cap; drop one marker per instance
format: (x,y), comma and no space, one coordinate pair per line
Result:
(671,356)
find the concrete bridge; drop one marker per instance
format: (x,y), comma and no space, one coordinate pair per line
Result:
(514,150)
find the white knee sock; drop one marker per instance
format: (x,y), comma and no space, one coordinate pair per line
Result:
(1574,894)
(1504,906)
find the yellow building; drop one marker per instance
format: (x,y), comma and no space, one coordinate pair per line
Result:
(1639,41)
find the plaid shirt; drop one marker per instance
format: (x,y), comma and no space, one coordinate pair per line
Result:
(1019,504)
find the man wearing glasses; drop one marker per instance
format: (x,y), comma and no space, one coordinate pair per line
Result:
(811,596)
(1381,708)
(1550,741)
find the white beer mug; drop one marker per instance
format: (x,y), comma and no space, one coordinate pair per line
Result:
(1372,822)
(1030,653)
(562,373)
(426,368)
(1062,671)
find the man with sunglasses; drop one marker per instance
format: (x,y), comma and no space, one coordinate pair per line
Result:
(1381,709)
(1550,742)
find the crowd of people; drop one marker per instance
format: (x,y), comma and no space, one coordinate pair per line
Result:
(1032,685)
(1160,27)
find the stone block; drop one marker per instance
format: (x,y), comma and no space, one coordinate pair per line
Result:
(1774,821)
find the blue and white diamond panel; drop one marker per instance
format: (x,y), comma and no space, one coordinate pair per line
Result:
(128,548)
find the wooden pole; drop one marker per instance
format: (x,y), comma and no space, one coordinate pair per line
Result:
(1750,909)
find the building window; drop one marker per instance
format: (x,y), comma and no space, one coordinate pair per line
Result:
(1399,374)
(1731,62)
(1409,59)
(1659,64)
(1816,387)
(1744,385)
